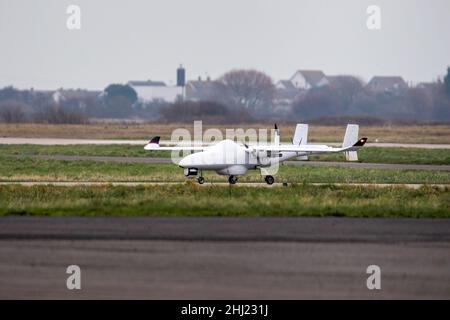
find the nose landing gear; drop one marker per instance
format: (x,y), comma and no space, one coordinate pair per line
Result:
(201,180)
(232,179)
(269,180)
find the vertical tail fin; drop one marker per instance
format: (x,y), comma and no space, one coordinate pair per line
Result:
(301,134)
(350,138)
(301,137)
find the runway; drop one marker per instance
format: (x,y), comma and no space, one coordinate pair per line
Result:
(60,141)
(224,258)
(360,165)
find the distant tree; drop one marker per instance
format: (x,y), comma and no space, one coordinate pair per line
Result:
(119,99)
(12,111)
(364,104)
(348,88)
(447,83)
(90,105)
(249,89)
(114,90)
(318,102)
(11,93)
(208,111)
(150,110)
(438,92)
(56,114)
(193,110)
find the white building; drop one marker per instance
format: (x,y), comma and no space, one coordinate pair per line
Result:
(148,91)
(307,79)
(387,84)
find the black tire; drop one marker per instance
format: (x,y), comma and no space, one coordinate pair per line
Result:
(232,179)
(201,180)
(269,180)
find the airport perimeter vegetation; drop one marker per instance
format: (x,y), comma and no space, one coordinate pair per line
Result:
(189,199)
(186,198)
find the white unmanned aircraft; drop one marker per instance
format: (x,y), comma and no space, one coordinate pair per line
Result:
(233,159)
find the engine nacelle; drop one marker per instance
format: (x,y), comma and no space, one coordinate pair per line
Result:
(268,158)
(190,172)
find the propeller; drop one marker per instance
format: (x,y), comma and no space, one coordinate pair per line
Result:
(245,144)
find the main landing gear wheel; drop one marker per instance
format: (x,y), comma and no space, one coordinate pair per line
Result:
(269,180)
(201,180)
(232,179)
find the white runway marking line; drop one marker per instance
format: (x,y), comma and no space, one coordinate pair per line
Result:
(218,184)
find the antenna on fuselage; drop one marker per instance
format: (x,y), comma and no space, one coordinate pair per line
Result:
(277,135)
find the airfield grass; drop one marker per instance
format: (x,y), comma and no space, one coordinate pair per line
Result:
(192,200)
(32,169)
(369,154)
(394,156)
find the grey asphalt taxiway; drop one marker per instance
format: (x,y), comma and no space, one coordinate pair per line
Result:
(224,258)
(63,141)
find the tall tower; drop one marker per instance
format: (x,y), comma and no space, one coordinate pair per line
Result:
(181,80)
(181,76)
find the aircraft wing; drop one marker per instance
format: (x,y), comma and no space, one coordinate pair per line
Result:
(174,148)
(308,148)
(153,145)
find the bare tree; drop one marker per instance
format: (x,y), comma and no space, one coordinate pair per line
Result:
(250,89)
(208,111)
(56,114)
(318,102)
(348,88)
(12,111)
(447,82)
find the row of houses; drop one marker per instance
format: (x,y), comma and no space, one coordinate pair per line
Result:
(303,80)
(207,89)
(307,79)
(286,90)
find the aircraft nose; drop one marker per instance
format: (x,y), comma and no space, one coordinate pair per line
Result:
(184,162)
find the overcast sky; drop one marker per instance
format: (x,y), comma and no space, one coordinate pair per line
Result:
(125,40)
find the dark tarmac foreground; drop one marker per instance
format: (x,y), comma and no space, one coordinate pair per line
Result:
(224,258)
